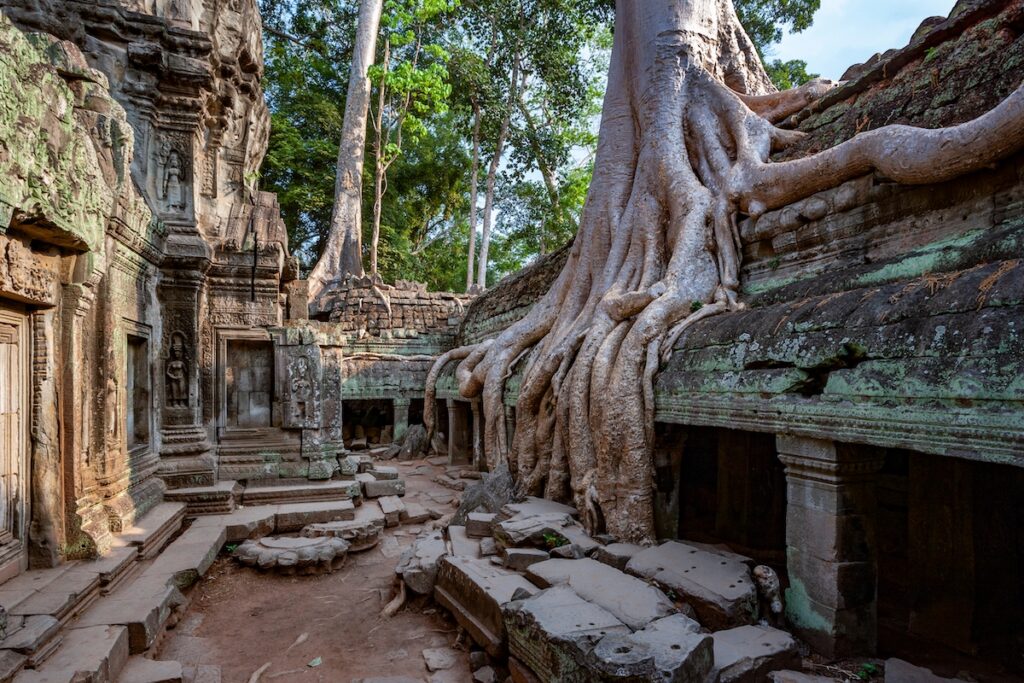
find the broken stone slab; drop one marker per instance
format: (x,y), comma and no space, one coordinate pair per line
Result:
(383,473)
(901,671)
(633,602)
(242,524)
(521,559)
(488,548)
(142,670)
(746,654)
(63,597)
(392,507)
(189,557)
(440,658)
(666,650)
(569,551)
(532,505)
(540,529)
(93,653)
(485,674)
(798,677)
(478,524)
(554,631)
(415,514)
(29,634)
(462,545)
(143,608)
(348,466)
(449,483)
(384,487)
(720,590)
(617,555)
(474,591)
(296,516)
(287,555)
(419,562)
(362,533)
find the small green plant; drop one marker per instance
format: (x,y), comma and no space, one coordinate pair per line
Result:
(930,54)
(775,263)
(696,305)
(231,547)
(553,540)
(868,671)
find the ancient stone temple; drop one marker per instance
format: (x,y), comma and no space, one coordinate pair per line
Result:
(169,391)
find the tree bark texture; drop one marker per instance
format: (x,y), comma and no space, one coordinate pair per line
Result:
(683,149)
(343,253)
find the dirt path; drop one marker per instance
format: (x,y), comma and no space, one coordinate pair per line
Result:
(240,619)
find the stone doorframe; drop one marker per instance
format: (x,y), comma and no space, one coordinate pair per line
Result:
(16,406)
(223,335)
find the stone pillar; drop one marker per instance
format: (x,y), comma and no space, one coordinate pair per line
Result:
(830,543)
(460,448)
(186,458)
(46,530)
(400,412)
(478,434)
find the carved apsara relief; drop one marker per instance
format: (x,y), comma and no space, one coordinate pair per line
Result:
(176,372)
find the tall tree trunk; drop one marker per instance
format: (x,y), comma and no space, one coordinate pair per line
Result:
(474,177)
(492,172)
(342,254)
(379,163)
(684,146)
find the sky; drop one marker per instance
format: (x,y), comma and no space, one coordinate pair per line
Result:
(847,32)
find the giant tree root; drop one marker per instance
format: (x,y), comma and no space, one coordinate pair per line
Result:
(680,156)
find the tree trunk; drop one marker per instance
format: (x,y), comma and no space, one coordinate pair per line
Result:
(492,173)
(379,163)
(680,153)
(474,176)
(342,254)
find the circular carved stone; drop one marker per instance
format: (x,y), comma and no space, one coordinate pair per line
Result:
(289,555)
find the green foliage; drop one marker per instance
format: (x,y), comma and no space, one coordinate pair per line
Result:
(786,75)
(764,21)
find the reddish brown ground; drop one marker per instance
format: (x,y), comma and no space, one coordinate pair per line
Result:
(240,619)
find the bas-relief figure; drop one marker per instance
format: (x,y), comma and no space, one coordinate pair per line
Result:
(177,373)
(172,177)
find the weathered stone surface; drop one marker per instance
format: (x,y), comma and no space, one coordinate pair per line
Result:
(669,649)
(381,472)
(474,591)
(419,562)
(449,483)
(490,494)
(91,653)
(462,544)
(393,508)
(142,670)
(305,555)
(297,516)
(30,633)
(440,658)
(632,601)
(143,608)
(902,671)
(798,677)
(362,533)
(554,631)
(521,559)
(488,547)
(616,555)
(719,589)
(478,524)
(746,654)
(414,444)
(415,514)
(384,487)
(10,664)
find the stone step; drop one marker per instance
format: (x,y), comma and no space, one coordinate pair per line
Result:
(34,638)
(393,509)
(142,670)
(746,654)
(719,588)
(218,499)
(64,597)
(150,534)
(189,557)
(297,516)
(142,608)
(305,492)
(363,531)
(95,654)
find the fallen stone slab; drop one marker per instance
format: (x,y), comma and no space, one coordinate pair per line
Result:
(26,635)
(799,677)
(478,524)
(143,608)
(534,530)
(288,555)
(142,670)
(474,591)
(617,555)
(746,654)
(521,559)
(554,631)
(362,533)
(189,557)
(240,525)
(489,494)
(440,658)
(462,544)
(633,602)
(67,595)
(392,507)
(384,487)
(666,650)
(901,671)
(95,653)
(720,590)
(488,548)
(380,472)
(449,483)
(296,516)
(419,562)
(415,513)
(569,551)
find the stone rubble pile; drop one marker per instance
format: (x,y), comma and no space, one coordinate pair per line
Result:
(547,602)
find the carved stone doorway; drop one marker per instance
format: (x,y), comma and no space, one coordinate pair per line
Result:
(15,412)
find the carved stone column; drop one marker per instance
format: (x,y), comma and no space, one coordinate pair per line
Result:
(830,539)
(46,530)
(400,409)
(186,458)
(478,433)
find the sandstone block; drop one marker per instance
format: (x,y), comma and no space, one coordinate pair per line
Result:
(669,649)
(617,555)
(478,524)
(419,562)
(385,487)
(392,507)
(520,559)
(746,654)
(462,544)
(720,590)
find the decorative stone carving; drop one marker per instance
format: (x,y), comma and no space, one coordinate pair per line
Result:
(294,555)
(173,177)
(176,371)
(301,387)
